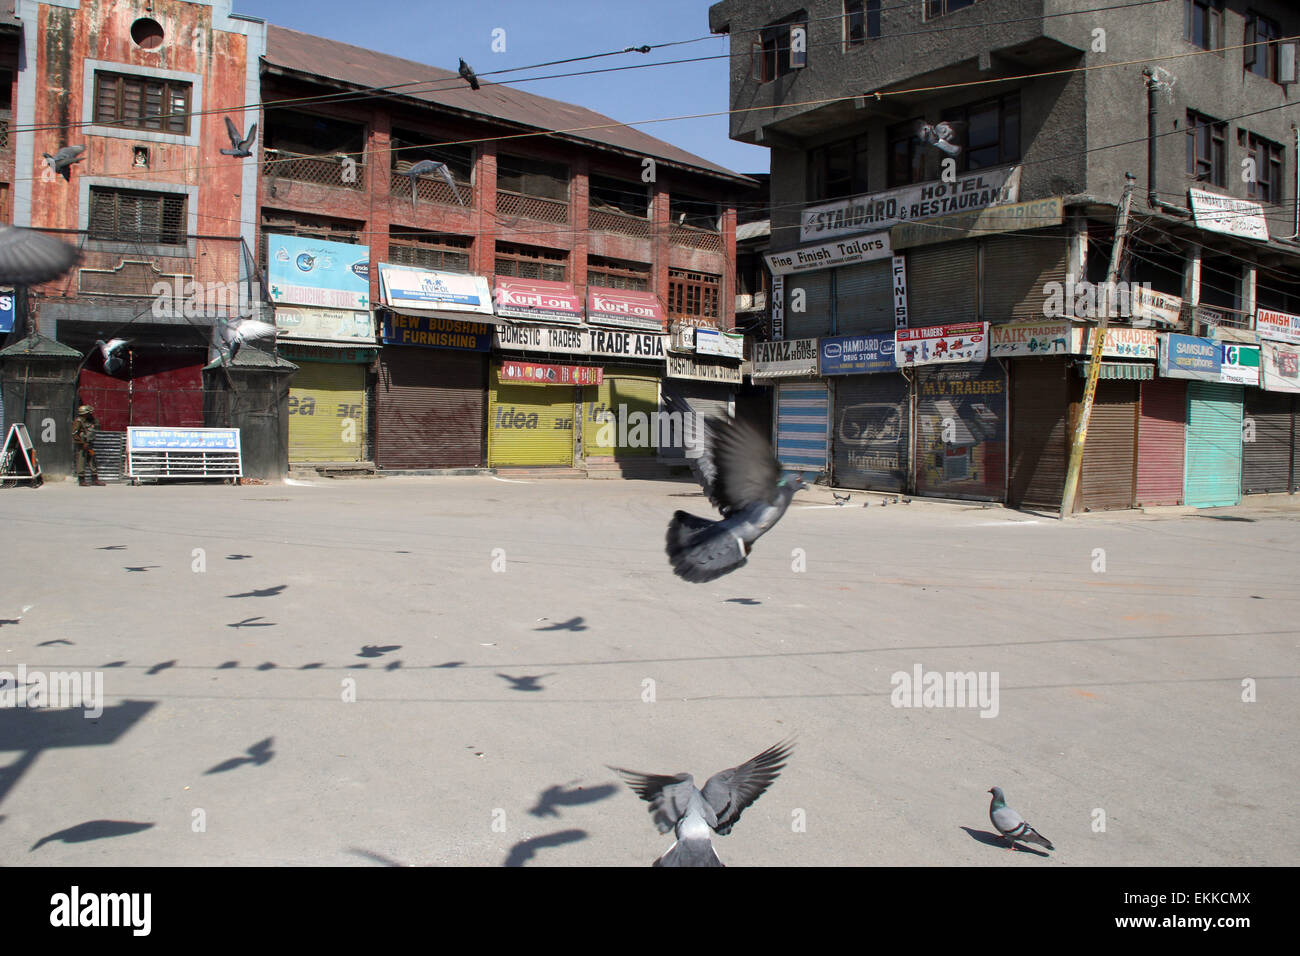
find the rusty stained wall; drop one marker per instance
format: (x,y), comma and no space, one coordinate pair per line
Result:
(101,30)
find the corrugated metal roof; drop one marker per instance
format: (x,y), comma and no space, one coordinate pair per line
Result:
(354,65)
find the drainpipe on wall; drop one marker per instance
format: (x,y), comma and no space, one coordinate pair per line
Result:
(1153,194)
(1295,130)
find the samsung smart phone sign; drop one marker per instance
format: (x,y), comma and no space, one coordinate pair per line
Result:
(6,311)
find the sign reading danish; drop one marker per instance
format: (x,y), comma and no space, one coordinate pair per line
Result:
(941,344)
(533,373)
(538,299)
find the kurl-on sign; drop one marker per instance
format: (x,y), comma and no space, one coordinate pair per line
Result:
(639,310)
(538,299)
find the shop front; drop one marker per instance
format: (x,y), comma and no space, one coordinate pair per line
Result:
(1270,433)
(870,412)
(802,402)
(1038,363)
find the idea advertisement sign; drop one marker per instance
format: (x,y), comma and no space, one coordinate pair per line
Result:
(534,373)
(942,344)
(304,271)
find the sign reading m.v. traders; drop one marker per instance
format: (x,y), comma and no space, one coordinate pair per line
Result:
(605,342)
(987,187)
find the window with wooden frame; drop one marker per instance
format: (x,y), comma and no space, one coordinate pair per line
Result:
(782,48)
(441,252)
(988,132)
(861,22)
(304,224)
(1205,149)
(906,154)
(533,177)
(696,213)
(307,134)
(134,215)
(838,169)
(619,196)
(1261,53)
(1268,158)
(142,102)
(1203,23)
(618,274)
(693,295)
(531,262)
(408,148)
(937,8)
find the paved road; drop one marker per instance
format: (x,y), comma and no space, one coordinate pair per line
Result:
(489,702)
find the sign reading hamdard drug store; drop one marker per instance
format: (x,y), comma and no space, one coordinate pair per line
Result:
(609,343)
(784,359)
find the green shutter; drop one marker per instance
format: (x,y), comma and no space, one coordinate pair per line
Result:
(1212,474)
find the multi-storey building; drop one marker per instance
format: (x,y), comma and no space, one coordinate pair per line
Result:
(945,179)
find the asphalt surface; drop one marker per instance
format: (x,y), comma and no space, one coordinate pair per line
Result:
(489,702)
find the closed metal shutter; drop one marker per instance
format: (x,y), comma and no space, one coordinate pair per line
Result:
(429,408)
(632,397)
(1016,269)
(1212,473)
(1040,399)
(530,424)
(864,298)
(961,428)
(815,319)
(327,412)
(1266,461)
(869,434)
(1162,430)
(702,399)
(801,426)
(1109,455)
(942,283)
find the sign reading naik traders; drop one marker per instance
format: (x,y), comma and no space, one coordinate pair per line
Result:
(303,271)
(1186,356)
(987,187)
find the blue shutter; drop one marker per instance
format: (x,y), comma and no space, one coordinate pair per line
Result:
(1212,474)
(801,426)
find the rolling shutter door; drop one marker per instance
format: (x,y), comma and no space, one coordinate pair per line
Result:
(623,394)
(430,409)
(1162,428)
(961,419)
(1212,475)
(815,319)
(1015,271)
(703,399)
(1109,466)
(942,283)
(870,432)
(801,412)
(323,398)
(1040,398)
(1266,461)
(864,298)
(530,424)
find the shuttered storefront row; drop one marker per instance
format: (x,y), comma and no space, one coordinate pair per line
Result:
(870,436)
(801,426)
(961,422)
(530,425)
(328,414)
(1212,473)
(1017,269)
(701,399)
(1268,442)
(815,319)
(623,393)
(1162,427)
(864,298)
(942,283)
(1109,456)
(429,408)
(1040,441)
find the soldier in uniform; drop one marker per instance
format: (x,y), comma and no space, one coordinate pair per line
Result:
(84,427)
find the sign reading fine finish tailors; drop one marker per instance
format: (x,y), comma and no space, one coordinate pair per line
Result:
(680,366)
(940,344)
(1029,338)
(538,299)
(787,358)
(435,332)
(305,271)
(424,289)
(988,187)
(531,373)
(713,342)
(1279,326)
(604,342)
(858,354)
(1205,360)
(841,253)
(900,292)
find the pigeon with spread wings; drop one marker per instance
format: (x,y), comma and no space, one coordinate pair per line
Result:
(677,804)
(239,145)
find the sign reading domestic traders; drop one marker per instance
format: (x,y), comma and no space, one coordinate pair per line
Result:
(435,332)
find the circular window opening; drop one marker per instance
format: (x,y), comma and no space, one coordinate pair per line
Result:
(147,33)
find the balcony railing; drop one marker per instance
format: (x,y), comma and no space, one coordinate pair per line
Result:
(5,117)
(335,169)
(603,221)
(512,204)
(431,189)
(695,238)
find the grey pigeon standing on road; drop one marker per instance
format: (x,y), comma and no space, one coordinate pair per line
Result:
(1012,825)
(468,73)
(239,145)
(677,804)
(28,257)
(740,475)
(426,167)
(61,162)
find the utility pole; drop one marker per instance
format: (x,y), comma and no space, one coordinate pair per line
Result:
(1098,345)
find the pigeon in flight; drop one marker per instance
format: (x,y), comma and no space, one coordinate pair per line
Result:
(236,333)
(940,135)
(677,804)
(427,167)
(740,475)
(468,73)
(61,162)
(1012,825)
(28,257)
(239,146)
(112,354)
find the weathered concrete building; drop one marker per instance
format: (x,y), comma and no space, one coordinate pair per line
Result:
(1016,122)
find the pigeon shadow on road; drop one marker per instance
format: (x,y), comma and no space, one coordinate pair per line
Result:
(4,621)
(237,557)
(525,850)
(528,682)
(374,857)
(91,830)
(258,754)
(252,622)
(376,650)
(1227,518)
(748,602)
(112,547)
(159,668)
(572,624)
(993,839)
(559,796)
(261,592)
(143,567)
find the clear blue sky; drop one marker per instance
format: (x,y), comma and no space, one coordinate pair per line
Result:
(440,32)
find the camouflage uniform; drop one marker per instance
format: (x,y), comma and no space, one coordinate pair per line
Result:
(84,427)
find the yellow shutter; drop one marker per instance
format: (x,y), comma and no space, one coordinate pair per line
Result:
(327,413)
(530,424)
(621,394)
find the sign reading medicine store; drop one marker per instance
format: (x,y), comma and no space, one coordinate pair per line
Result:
(303,271)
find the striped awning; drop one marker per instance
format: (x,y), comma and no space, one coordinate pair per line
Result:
(1133,371)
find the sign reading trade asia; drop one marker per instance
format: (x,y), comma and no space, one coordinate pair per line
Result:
(303,271)
(942,344)
(436,332)
(534,373)
(1205,360)
(858,354)
(538,299)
